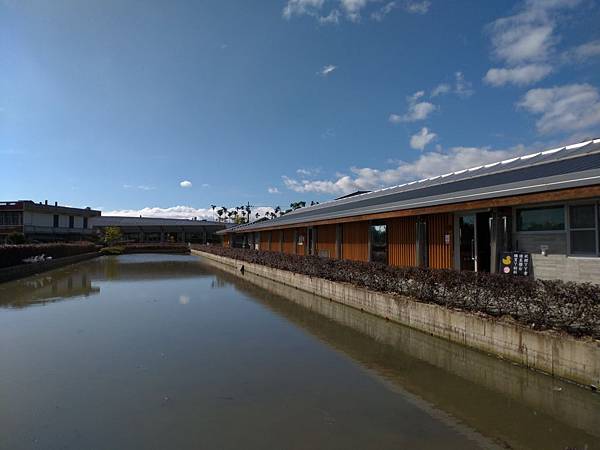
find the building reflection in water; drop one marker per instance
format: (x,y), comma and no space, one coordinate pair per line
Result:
(84,279)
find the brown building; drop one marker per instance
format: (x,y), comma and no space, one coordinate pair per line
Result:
(543,206)
(44,222)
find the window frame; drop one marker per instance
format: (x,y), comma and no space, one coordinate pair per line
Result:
(550,205)
(569,229)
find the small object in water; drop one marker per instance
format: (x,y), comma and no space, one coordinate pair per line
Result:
(557,389)
(593,387)
(242,269)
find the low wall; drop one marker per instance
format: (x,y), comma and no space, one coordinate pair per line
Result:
(557,354)
(25,270)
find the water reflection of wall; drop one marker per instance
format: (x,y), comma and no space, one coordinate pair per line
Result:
(484,392)
(57,285)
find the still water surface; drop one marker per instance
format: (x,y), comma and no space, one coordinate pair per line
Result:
(161,351)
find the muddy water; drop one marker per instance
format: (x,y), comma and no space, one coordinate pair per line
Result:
(160,351)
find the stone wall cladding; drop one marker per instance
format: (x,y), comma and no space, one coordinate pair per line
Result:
(557,354)
(567,268)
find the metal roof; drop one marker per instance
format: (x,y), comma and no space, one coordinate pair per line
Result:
(571,166)
(120,221)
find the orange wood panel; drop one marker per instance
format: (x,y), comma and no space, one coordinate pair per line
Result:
(439,252)
(288,241)
(402,238)
(264,240)
(326,240)
(276,244)
(226,240)
(301,240)
(355,241)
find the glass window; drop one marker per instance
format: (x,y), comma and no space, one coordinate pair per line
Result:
(379,243)
(551,218)
(583,233)
(71,221)
(583,216)
(55,221)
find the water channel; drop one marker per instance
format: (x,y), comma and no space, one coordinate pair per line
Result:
(165,351)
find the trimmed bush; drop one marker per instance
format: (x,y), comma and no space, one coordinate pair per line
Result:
(565,306)
(116,250)
(13,255)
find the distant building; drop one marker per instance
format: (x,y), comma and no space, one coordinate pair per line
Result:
(150,229)
(535,215)
(45,223)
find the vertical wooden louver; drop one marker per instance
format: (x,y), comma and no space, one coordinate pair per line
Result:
(402,241)
(355,241)
(326,241)
(440,241)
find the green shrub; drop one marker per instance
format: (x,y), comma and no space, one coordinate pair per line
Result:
(116,250)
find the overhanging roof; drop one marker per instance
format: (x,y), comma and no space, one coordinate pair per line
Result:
(575,165)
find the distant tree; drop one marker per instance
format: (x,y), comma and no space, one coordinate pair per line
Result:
(297,205)
(257,215)
(112,235)
(278,210)
(213,208)
(220,214)
(313,203)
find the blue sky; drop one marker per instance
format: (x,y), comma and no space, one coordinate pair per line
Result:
(113,104)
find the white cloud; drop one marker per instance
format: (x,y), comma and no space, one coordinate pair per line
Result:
(383,11)
(521,76)
(332,11)
(526,42)
(440,89)
(462,87)
(301,7)
(205,185)
(273,190)
(582,52)
(572,107)
(140,187)
(417,7)
(416,110)
(420,140)
(326,70)
(179,212)
(185,184)
(427,165)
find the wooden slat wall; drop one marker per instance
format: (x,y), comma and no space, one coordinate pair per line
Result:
(301,249)
(276,244)
(288,241)
(326,239)
(402,241)
(264,240)
(440,253)
(355,241)
(226,241)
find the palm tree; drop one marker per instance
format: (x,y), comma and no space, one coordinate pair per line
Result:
(220,213)
(213,208)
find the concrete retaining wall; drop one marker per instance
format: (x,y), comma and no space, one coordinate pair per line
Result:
(560,355)
(25,270)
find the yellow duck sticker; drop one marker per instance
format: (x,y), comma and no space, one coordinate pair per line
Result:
(507,260)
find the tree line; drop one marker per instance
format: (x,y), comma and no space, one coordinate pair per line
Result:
(243,213)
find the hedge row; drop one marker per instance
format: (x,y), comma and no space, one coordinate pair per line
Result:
(12,255)
(566,306)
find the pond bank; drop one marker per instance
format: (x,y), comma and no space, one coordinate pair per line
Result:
(557,354)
